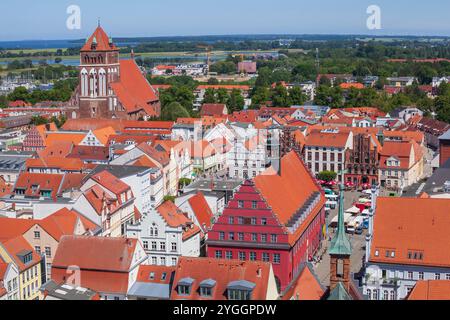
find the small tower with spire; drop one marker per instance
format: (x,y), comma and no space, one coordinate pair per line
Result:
(94,43)
(340,253)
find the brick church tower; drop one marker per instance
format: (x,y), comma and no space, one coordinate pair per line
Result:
(110,87)
(99,66)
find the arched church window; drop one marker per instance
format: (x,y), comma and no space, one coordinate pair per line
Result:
(340,268)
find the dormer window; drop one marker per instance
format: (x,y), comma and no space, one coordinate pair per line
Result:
(184,286)
(240,290)
(205,292)
(184,290)
(206,288)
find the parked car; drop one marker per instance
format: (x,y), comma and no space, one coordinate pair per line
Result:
(365,224)
(359,230)
(351,230)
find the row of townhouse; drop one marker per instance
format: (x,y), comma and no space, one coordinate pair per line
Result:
(28,247)
(365,157)
(118,269)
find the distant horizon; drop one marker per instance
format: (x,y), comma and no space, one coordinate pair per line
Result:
(47,20)
(241,35)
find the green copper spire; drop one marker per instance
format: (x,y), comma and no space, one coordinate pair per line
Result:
(94,41)
(340,245)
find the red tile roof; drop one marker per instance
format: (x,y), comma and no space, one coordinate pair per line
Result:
(431,290)
(64,164)
(198,149)
(201,210)
(3,269)
(224,86)
(351,85)
(107,180)
(89,153)
(43,181)
(102,40)
(157,272)
(56,137)
(99,281)
(206,121)
(133,90)
(399,221)
(284,194)
(223,272)
(134,138)
(306,288)
(57,149)
(176,218)
(248,116)
(213,109)
(64,222)
(144,161)
(18,245)
(11,228)
(402,151)
(330,140)
(156,156)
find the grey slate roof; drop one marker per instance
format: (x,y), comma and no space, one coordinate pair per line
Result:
(445,136)
(120,171)
(64,292)
(150,290)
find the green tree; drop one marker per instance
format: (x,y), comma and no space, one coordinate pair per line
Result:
(260,95)
(173,111)
(39,120)
(19,93)
(235,101)
(264,77)
(280,97)
(210,96)
(213,81)
(222,95)
(327,176)
(297,96)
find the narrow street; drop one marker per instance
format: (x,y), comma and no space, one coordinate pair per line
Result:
(322,269)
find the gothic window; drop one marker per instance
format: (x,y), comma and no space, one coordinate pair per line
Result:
(102,83)
(340,268)
(84,82)
(93,83)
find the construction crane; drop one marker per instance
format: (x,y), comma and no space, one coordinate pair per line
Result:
(208,55)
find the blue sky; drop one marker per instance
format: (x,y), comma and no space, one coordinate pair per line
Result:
(46,19)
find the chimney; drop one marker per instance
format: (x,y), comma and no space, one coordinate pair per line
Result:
(259,272)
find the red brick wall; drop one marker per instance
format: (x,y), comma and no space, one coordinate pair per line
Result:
(445,152)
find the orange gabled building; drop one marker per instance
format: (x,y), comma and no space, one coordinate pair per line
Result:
(409,243)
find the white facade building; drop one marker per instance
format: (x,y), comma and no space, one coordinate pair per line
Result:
(166,234)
